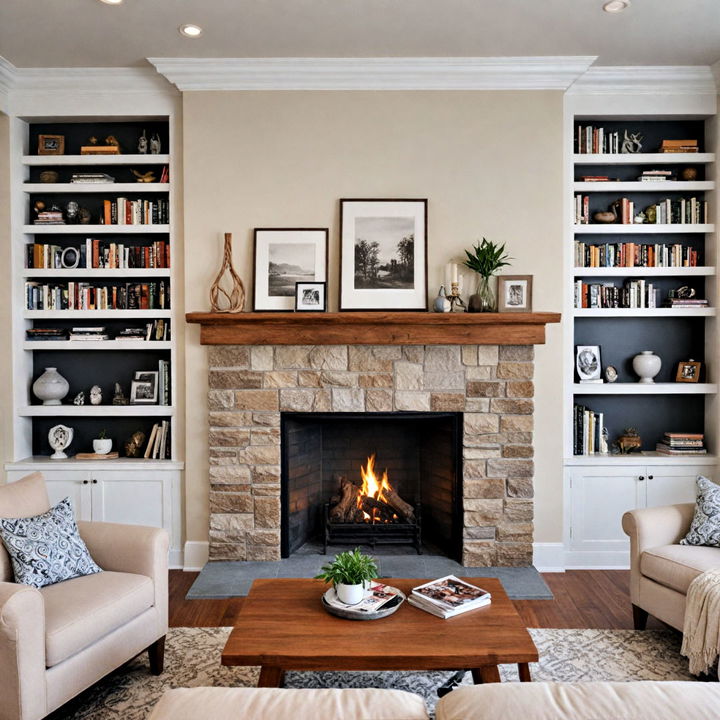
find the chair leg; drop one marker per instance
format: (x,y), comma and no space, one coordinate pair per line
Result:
(640,617)
(156,655)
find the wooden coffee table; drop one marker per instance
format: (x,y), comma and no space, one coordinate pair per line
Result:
(282,626)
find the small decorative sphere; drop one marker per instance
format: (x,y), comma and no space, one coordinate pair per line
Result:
(689,173)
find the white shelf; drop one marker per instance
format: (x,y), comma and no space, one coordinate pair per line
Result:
(643,272)
(643,312)
(629,388)
(639,186)
(97,273)
(636,228)
(644,159)
(74,188)
(92,314)
(96,411)
(56,160)
(80,345)
(88,230)
(44,462)
(644,458)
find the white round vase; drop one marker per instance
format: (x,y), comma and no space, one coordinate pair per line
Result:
(102,446)
(350,594)
(647,365)
(51,387)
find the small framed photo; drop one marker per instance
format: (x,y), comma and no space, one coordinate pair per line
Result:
(587,363)
(383,254)
(51,144)
(144,388)
(310,297)
(283,258)
(515,293)
(688,371)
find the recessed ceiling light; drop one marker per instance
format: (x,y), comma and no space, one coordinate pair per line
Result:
(190,30)
(616,6)
(111,2)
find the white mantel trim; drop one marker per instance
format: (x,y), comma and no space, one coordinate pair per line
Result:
(646,80)
(7,81)
(409,73)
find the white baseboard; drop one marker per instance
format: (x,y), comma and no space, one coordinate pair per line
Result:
(549,557)
(597,560)
(175,560)
(196,555)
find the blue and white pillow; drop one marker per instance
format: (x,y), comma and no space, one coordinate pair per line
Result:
(47,548)
(705,527)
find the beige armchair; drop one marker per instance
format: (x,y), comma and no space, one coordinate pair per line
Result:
(661,570)
(58,640)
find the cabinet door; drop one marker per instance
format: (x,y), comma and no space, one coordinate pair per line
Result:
(598,499)
(60,484)
(131,498)
(671,485)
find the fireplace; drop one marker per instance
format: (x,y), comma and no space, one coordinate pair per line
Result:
(324,456)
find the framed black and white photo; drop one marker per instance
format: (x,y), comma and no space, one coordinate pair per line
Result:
(587,363)
(383,254)
(144,388)
(283,258)
(311,296)
(515,293)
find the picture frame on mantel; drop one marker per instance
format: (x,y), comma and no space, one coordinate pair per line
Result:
(515,293)
(282,258)
(383,255)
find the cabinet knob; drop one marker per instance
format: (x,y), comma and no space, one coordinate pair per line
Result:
(642,477)
(94,481)
(650,477)
(85,482)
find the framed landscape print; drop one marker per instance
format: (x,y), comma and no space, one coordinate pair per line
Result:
(383,255)
(283,258)
(515,293)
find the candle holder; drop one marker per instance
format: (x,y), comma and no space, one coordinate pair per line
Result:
(456,302)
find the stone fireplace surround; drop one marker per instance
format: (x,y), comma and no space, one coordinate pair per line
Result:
(249,386)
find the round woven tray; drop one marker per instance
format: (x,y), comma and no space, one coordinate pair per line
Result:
(350,614)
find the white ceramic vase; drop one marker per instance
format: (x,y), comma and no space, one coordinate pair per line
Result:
(350,594)
(51,387)
(102,446)
(647,365)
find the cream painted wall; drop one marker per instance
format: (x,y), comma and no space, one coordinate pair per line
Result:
(5,298)
(490,164)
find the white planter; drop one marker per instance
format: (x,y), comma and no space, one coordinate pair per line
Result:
(51,387)
(102,446)
(647,365)
(350,594)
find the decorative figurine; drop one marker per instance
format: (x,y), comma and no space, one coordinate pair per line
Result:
(456,302)
(147,177)
(59,438)
(95,395)
(143,144)
(629,442)
(631,143)
(607,216)
(234,297)
(71,212)
(134,445)
(155,144)
(119,396)
(651,214)
(640,218)
(79,398)
(442,304)
(112,140)
(84,216)
(38,207)
(49,176)
(604,441)
(92,140)
(611,373)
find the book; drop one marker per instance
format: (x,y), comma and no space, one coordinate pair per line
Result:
(448,596)
(434,610)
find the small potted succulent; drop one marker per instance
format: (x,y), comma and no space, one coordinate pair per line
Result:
(486,259)
(102,444)
(350,572)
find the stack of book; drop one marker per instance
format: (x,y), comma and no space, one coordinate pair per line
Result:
(91,177)
(88,334)
(158,447)
(682,302)
(656,175)
(46,334)
(588,438)
(448,596)
(679,146)
(674,443)
(49,217)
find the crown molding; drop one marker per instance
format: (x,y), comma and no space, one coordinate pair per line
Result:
(646,80)
(511,73)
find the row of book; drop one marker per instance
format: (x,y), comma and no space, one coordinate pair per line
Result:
(154,331)
(590,140)
(588,435)
(678,443)
(95,253)
(158,447)
(635,255)
(682,211)
(88,296)
(633,294)
(135,212)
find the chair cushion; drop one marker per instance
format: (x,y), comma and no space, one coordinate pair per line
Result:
(24,498)
(47,548)
(676,566)
(705,527)
(79,612)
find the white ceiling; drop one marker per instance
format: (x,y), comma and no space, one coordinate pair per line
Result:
(88,33)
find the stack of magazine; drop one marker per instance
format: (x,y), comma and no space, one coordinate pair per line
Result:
(448,596)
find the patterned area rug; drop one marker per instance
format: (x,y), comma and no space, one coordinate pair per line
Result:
(193,659)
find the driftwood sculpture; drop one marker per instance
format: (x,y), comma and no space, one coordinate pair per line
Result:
(234,298)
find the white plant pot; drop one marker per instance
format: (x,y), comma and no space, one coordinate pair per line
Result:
(350,594)
(647,365)
(102,447)
(51,387)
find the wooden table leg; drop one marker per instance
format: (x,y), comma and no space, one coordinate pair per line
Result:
(271,677)
(486,674)
(524,672)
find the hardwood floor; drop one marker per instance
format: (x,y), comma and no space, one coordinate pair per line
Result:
(583,599)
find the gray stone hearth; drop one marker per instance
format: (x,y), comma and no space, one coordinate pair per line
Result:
(492,385)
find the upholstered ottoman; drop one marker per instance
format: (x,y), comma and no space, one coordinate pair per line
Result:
(583,701)
(213,703)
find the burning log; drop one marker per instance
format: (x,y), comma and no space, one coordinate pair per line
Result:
(348,501)
(405,510)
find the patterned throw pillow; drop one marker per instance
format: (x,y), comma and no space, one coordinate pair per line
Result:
(705,528)
(47,548)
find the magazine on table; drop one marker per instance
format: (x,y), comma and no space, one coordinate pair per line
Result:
(449,596)
(377,597)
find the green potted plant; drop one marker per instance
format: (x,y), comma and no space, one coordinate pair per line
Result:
(349,572)
(486,259)
(102,444)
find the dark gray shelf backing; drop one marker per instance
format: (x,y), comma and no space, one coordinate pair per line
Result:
(653,131)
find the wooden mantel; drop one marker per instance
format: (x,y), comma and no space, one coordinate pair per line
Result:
(372,328)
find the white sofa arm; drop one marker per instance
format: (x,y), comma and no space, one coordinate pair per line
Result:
(22,653)
(132,549)
(653,527)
